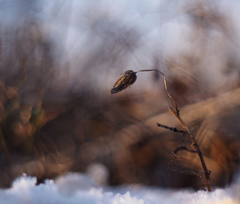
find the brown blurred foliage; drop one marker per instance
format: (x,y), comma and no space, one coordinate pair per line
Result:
(48,128)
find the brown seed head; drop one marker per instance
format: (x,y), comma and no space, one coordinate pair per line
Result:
(125,81)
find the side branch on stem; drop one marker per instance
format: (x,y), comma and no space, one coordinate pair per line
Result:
(172,129)
(182,148)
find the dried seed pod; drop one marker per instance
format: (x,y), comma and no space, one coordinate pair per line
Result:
(125,81)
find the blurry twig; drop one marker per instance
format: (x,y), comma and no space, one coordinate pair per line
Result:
(3,147)
(181,148)
(182,169)
(172,129)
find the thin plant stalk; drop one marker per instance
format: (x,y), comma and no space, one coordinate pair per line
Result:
(129,78)
(186,128)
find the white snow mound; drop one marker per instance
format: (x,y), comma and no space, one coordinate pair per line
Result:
(79,188)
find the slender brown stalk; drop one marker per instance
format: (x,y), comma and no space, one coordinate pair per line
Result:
(165,84)
(181,121)
(128,79)
(196,146)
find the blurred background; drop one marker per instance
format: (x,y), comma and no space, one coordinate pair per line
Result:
(59,60)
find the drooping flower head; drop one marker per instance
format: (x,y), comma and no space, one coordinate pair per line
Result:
(128,78)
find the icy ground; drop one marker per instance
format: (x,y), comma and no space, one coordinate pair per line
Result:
(79,188)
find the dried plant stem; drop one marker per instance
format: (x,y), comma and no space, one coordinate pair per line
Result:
(196,146)
(165,84)
(181,121)
(128,79)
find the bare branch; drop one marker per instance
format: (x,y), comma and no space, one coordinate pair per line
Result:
(172,129)
(183,170)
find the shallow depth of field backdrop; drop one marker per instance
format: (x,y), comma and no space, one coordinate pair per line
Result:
(59,60)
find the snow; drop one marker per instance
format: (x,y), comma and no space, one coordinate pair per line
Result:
(76,188)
